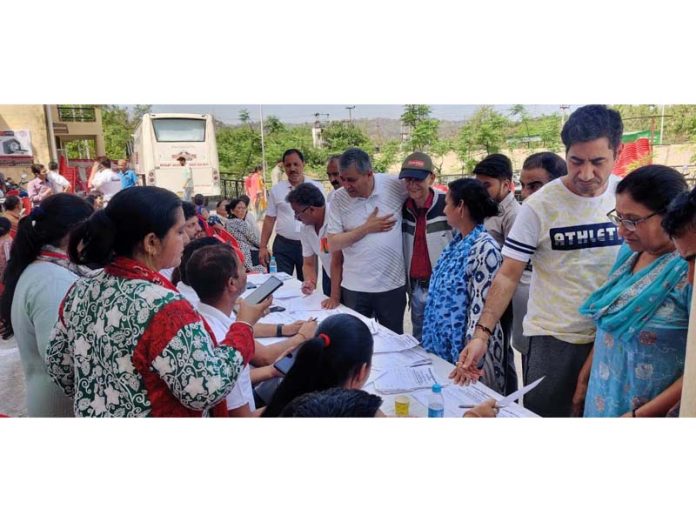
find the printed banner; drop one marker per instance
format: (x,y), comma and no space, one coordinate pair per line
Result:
(15,148)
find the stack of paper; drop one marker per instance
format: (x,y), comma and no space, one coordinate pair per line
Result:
(404,359)
(388,341)
(400,380)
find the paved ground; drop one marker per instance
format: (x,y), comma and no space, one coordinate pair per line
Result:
(12,391)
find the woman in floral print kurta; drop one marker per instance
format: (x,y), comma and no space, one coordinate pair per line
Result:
(126,342)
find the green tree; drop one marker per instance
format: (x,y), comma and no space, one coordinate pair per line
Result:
(388,154)
(117,127)
(485,130)
(340,135)
(413,114)
(520,111)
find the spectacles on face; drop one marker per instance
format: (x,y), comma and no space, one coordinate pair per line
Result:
(298,214)
(629,224)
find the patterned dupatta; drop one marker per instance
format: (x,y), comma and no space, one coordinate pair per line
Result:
(130,269)
(626,302)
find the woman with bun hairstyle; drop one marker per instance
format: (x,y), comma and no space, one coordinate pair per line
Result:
(37,276)
(127,343)
(460,282)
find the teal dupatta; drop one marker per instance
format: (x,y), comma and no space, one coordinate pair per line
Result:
(626,302)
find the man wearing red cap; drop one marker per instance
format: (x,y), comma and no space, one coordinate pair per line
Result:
(425,232)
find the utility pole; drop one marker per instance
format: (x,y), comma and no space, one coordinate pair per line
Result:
(350,112)
(564,108)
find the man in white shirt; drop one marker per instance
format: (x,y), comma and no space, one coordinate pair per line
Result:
(57,182)
(572,244)
(106,181)
(308,204)
(287,248)
(219,279)
(365,223)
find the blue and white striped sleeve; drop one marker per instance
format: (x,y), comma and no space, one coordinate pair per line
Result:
(521,243)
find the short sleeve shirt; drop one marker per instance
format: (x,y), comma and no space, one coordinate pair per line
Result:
(376,262)
(572,245)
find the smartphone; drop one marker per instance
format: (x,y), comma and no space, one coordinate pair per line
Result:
(283,365)
(262,292)
(276,309)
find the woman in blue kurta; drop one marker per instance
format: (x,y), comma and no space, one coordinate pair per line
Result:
(642,311)
(460,282)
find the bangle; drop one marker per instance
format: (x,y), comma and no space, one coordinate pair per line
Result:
(484,328)
(279,330)
(301,335)
(247,324)
(633,413)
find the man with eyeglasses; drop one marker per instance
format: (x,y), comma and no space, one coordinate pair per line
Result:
(425,231)
(307,203)
(565,232)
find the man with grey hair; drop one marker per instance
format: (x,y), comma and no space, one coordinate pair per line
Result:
(364,221)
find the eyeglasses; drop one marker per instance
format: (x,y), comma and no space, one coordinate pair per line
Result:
(630,224)
(298,214)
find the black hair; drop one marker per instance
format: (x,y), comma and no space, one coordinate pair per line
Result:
(306,194)
(334,402)
(245,199)
(293,151)
(36,168)
(475,197)
(105,162)
(199,199)
(12,202)
(496,166)
(653,186)
(357,157)
(48,224)
(181,273)
(681,215)
(116,231)
(209,269)
(217,205)
(5,226)
(552,163)
(233,203)
(52,165)
(189,209)
(320,365)
(592,122)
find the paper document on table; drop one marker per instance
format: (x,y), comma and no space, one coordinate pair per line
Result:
(407,358)
(506,401)
(318,315)
(259,279)
(399,380)
(305,303)
(388,341)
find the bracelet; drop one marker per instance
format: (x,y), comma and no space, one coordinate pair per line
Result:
(484,328)
(633,413)
(247,324)
(279,330)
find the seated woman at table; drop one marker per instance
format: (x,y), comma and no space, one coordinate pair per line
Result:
(242,232)
(642,311)
(460,282)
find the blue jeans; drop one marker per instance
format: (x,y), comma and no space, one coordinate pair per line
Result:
(419,296)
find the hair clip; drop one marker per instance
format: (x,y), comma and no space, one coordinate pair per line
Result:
(326,339)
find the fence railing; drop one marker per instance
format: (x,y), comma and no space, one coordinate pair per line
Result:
(76,113)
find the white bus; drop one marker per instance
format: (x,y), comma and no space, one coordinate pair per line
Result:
(162,138)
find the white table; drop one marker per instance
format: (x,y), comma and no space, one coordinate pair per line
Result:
(299,307)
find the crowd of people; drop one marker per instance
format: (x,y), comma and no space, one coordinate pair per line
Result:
(128,304)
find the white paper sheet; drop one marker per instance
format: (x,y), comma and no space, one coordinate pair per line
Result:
(407,358)
(399,380)
(388,341)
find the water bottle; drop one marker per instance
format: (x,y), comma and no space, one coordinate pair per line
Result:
(272,266)
(436,402)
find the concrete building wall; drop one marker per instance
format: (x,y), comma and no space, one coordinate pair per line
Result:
(33,118)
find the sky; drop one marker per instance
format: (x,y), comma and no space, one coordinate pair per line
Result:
(306,113)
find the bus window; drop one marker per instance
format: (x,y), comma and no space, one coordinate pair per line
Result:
(173,130)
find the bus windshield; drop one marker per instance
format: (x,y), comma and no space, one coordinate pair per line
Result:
(179,129)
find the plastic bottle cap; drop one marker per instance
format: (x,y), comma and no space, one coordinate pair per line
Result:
(437,388)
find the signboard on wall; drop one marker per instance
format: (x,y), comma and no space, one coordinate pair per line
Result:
(15,148)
